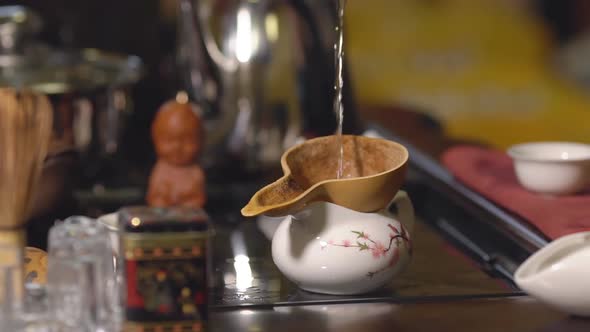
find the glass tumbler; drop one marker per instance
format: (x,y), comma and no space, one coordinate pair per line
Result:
(81,279)
(119,290)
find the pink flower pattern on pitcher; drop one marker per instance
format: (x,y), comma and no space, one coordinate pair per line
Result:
(378,250)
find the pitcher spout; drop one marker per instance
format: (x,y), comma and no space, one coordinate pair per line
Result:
(557,255)
(558,274)
(277,199)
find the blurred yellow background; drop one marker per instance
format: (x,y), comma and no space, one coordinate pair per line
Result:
(482,67)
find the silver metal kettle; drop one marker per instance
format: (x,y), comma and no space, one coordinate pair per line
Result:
(263,73)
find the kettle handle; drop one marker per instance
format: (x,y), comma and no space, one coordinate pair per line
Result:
(404,210)
(192,13)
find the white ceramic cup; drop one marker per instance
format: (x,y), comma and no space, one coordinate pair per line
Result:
(555,168)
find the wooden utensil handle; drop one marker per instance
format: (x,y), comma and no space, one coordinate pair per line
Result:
(11,268)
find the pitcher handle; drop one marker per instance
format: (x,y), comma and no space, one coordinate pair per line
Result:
(405,210)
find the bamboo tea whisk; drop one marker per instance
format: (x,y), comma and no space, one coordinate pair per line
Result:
(25,130)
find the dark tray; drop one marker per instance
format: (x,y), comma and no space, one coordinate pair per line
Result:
(465,247)
(437,270)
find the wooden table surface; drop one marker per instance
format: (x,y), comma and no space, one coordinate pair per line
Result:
(511,314)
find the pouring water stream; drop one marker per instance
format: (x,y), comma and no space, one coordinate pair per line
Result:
(339,84)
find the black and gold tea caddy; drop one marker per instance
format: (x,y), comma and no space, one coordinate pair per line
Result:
(166,264)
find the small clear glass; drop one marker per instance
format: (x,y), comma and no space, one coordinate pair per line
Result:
(119,288)
(81,278)
(34,314)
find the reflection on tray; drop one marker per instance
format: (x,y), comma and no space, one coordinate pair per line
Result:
(245,275)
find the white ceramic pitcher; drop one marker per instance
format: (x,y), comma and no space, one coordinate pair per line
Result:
(327,248)
(559,274)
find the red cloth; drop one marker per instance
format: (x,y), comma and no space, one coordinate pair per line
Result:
(491,173)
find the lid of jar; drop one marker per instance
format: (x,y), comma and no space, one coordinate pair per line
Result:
(26,63)
(78,71)
(146,219)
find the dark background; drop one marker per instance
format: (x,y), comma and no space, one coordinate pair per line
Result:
(146,28)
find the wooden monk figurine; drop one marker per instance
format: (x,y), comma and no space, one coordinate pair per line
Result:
(177,179)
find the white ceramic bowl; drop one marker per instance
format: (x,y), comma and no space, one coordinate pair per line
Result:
(559,274)
(556,168)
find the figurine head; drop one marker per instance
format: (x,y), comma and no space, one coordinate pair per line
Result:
(177,133)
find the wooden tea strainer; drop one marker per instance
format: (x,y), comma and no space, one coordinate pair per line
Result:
(374,170)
